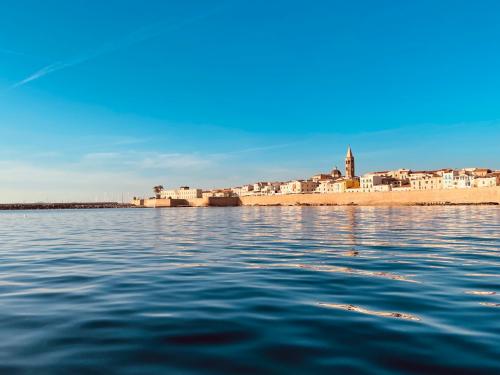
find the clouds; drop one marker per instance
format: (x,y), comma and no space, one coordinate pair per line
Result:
(25,181)
(108,173)
(150,160)
(54,67)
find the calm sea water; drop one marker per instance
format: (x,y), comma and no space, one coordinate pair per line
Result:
(251,290)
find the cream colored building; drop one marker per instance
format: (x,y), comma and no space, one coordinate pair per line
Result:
(369,180)
(488,180)
(298,187)
(379,181)
(321,177)
(245,190)
(449,181)
(207,194)
(242,191)
(464,180)
(271,188)
(218,193)
(401,174)
(342,184)
(325,187)
(425,181)
(237,191)
(477,172)
(184,192)
(258,186)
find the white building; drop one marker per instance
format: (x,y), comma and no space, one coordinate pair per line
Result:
(237,191)
(271,188)
(381,181)
(325,187)
(247,190)
(426,181)
(401,174)
(369,180)
(258,186)
(487,181)
(184,192)
(464,180)
(449,179)
(299,186)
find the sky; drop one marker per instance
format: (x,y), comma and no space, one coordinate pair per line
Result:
(103,100)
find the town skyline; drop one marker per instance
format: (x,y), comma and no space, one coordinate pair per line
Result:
(332,182)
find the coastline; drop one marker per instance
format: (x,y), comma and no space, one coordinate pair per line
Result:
(442,197)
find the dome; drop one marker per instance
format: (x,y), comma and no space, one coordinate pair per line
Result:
(336,173)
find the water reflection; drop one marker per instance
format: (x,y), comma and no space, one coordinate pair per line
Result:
(362,310)
(236,290)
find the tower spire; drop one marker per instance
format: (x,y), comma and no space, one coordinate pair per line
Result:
(349,152)
(349,163)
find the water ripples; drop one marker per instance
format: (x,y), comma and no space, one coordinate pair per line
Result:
(251,290)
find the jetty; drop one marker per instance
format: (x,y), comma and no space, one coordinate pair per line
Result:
(59,206)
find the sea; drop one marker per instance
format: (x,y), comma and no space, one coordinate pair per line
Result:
(251,290)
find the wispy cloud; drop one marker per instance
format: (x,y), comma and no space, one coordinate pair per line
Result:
(44,71)
(140,35)
(150,160)
(100,156)
(172,160)
(175,161)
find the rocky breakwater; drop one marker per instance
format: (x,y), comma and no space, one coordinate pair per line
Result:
(59,206)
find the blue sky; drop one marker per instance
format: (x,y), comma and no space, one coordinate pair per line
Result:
(103,98)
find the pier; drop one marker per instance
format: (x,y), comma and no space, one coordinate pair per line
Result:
(59,206)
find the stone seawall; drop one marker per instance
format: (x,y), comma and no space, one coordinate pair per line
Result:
(487,195)
(192,202)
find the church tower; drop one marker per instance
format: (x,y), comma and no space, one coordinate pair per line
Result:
(349,164)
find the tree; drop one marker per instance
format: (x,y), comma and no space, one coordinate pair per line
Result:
(157,190)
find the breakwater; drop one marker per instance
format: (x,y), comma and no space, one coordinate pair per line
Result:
(59,206)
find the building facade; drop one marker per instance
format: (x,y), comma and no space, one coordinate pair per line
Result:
(184,192)
(426,181)
(488,180)
(299,187)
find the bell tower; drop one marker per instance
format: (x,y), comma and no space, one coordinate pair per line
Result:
(349,164)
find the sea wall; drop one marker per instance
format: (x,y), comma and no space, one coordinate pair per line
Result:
(192,202)
(214,202)
(157,203)
(487,195)
(390,198)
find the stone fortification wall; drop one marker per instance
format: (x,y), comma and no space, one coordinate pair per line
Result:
(391,198)
(224,201)
(164,202)
(192,202)
(214,201)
